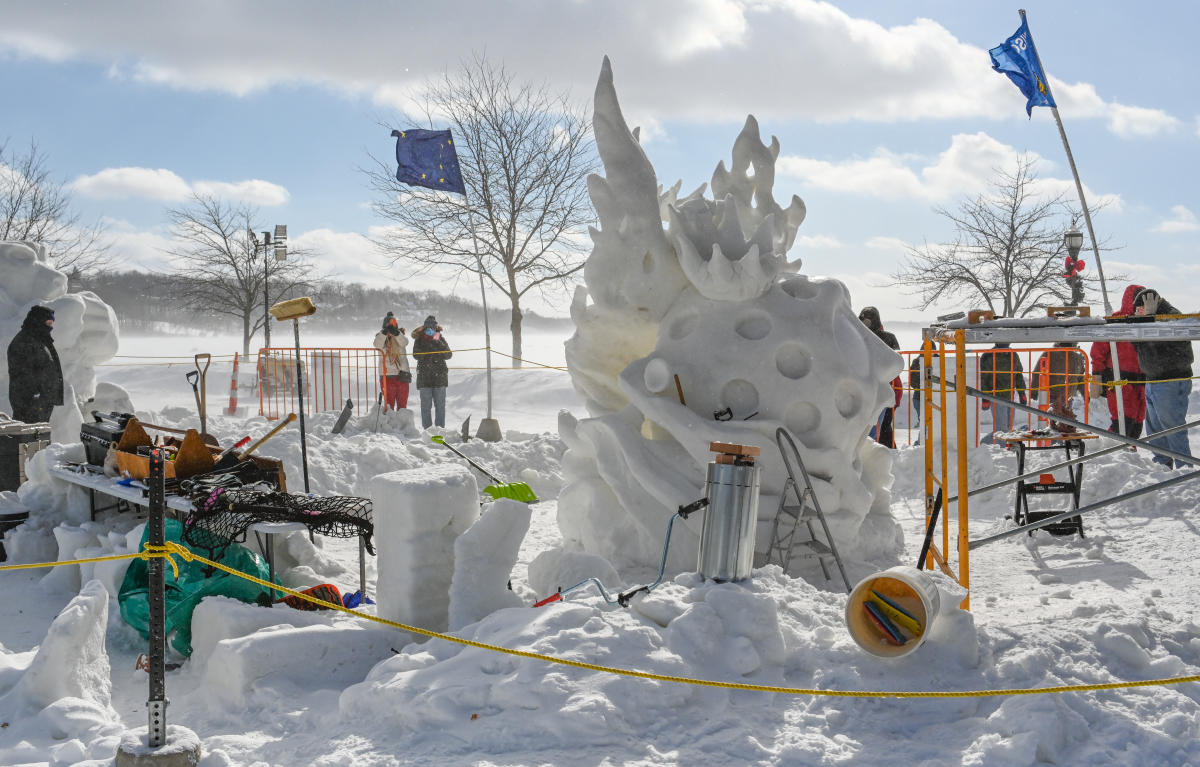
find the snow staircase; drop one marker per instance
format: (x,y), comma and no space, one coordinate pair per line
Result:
(794,519)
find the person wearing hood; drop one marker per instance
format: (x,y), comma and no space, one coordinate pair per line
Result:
(882,430)
(1167,366)
(431,351)
(1132,393)
(35,379)
(396,374)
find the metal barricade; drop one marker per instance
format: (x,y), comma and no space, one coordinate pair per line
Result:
(1047,376)
(331,375)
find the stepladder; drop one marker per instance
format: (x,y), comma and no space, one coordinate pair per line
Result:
(792,533)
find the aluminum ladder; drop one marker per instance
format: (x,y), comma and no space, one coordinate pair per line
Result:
(786,539)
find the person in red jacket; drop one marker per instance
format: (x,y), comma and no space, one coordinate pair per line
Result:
(1133,395)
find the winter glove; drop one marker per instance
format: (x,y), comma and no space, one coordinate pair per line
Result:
(986,405)
(1106,375)
(1149,301)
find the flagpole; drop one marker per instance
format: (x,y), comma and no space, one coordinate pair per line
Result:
(487,333)
(1087,216)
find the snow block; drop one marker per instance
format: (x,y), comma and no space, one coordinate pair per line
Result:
(484,557)
(418,515)
(219,618)
(289,660)
(72,661)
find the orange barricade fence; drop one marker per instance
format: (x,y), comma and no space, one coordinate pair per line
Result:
(330,376)
(1047,376)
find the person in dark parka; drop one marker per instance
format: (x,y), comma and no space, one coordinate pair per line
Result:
(882,430)
(1167,366)
(1000,374)
(431,351)
(35,380)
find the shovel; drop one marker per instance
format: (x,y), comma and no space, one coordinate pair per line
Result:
(518,491)
(202,402)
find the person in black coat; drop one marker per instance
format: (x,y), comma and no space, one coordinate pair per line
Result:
(1001,374)
(431,351)
(1167,366)
(882,430)
(35,380)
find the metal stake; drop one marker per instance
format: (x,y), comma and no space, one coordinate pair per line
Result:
(300,399)
(158,685)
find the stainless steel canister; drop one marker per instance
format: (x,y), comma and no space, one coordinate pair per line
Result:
(727,539)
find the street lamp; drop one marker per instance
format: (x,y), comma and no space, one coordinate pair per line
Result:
(1074,242)
(266,246)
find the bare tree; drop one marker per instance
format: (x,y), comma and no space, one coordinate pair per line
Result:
(1008,253)
(525,155)
(220,271)
(36,207)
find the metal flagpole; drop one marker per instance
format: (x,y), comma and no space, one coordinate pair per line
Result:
(489,429)
(1087,216)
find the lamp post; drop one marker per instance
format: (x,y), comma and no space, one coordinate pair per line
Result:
(1074,242)
(279,246)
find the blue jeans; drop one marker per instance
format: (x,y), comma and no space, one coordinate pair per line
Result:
(435,398)
(1166,406)
(1002,420)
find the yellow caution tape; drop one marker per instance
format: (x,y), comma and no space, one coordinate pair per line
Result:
(170,548)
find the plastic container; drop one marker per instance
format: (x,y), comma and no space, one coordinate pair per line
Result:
(903,604)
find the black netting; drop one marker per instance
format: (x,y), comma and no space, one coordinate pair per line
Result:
(222,515)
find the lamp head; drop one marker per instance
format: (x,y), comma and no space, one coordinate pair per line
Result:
(1074,241)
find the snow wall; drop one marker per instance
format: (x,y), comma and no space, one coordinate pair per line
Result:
(712,299)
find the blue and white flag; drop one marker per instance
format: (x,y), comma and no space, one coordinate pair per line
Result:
(1017,58)
(427,158)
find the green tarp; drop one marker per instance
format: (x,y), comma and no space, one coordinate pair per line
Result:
(186,591)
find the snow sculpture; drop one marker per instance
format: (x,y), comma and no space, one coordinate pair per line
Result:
(713,301)
(85,328)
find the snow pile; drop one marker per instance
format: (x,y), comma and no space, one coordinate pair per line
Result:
(85,328)
(705,312)
(65,693)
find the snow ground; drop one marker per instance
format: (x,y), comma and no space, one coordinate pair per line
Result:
(1116,605)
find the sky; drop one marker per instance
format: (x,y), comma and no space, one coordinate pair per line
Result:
(884,111)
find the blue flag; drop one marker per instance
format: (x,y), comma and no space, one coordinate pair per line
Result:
(1017,58)
(427,158)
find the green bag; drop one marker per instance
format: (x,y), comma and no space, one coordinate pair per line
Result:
(186,591)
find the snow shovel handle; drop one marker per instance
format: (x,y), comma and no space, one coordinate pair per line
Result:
(442,441)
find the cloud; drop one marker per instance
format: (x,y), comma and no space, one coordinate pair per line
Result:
(124,183)
(966,168)
(1182,220)
(253,191)
(673,59)
(888,244)
(165,185)
(1139,122)
(818,241)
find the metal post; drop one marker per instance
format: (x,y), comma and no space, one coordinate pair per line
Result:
(266,297)
(487,333)
(157,703)
(1087,216)
(300,401)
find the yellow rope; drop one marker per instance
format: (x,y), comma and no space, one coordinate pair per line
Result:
(171,548)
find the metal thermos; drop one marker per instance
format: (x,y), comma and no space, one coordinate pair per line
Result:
(727,539)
